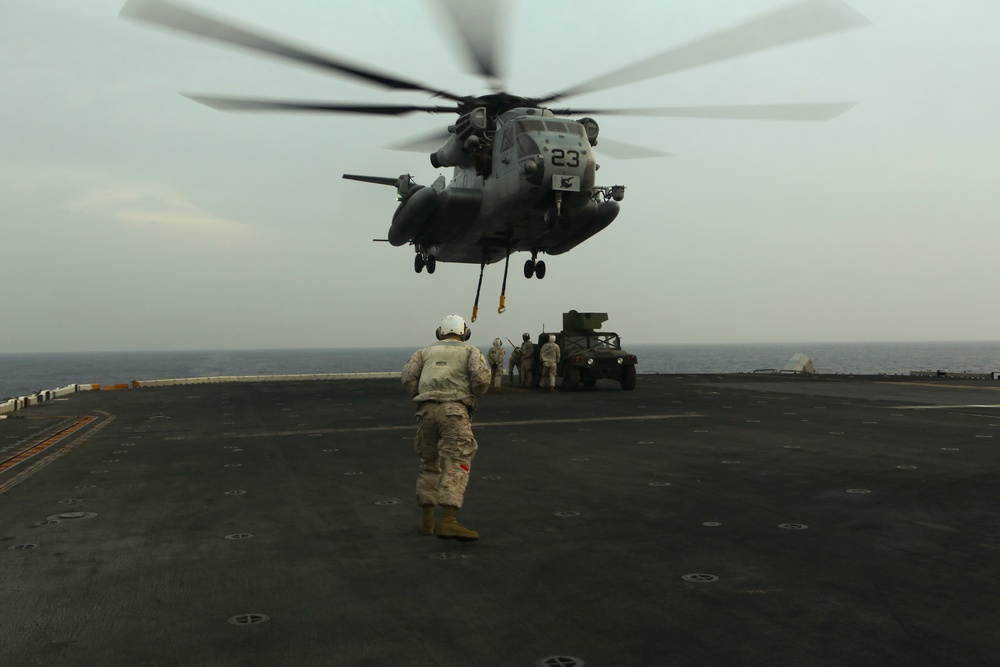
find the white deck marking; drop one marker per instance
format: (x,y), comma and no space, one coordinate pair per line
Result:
(410,427)
(939,407)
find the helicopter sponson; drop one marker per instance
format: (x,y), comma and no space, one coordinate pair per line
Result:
(420,205)
(414,210)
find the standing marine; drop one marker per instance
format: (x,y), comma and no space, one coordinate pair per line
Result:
(444,380)
(515,362)
(549,355)
(527,361)
(496,355)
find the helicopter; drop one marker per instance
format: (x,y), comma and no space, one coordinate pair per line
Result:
(524,173)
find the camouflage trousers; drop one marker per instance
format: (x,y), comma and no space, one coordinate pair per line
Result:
(496,381)
(446,447)
(527,374)
(548,375)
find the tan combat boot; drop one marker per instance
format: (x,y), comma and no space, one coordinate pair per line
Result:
(451,529)
(427,520)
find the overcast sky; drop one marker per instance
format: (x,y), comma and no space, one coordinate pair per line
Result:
(134,219)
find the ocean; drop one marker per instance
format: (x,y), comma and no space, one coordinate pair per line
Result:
(22,374)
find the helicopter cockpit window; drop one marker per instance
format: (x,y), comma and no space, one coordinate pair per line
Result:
(526,145)
(566,128)
(530,126)
(508,140)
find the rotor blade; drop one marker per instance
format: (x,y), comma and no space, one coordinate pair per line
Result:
(803,20)
(624,151)
(422,144)
(242,104)
(169,15)
(477,26)
(795,112)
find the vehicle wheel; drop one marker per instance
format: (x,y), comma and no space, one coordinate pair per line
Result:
(589,381)
(539,269)
(628,378)
(431,263)
(418,263)
(529,268)
(571,378)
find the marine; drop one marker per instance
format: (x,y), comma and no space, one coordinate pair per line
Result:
(444,380)
(515,362)
(527,360)
(496,356)
(549,355)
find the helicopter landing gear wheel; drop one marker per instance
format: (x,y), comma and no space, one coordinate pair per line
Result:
(424,259)
(534,267)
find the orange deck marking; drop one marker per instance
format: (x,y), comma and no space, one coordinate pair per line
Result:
(45,444)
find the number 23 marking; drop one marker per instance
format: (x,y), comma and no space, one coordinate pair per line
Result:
(561,158)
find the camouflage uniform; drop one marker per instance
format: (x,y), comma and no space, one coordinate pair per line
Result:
(527,363)
(515,364)
(549,354)
(444,380)
(496,356)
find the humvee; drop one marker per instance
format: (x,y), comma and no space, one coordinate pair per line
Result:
(587,354)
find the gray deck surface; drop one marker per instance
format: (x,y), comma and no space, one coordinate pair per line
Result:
(843,521)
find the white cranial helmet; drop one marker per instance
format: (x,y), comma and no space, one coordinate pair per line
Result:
(453,324)
(497,342)
(552,338)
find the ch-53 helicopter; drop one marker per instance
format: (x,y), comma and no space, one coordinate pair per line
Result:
(524,175)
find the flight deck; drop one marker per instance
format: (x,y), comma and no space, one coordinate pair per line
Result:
(698,520)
